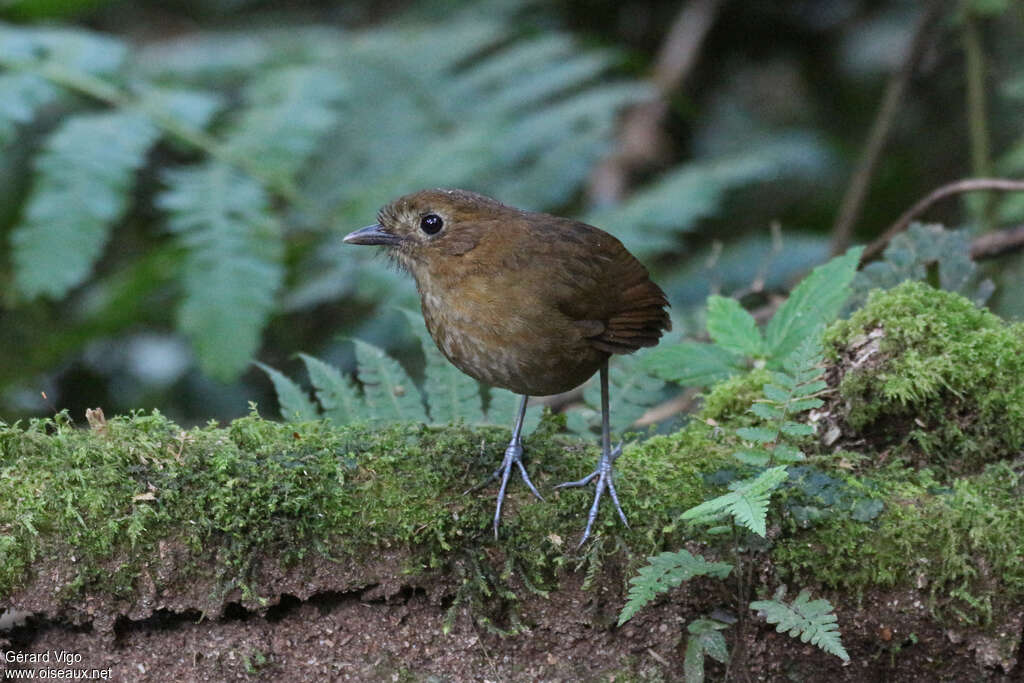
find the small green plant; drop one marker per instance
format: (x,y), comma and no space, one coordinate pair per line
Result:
(738,344)
(743,511)
(791,345)
(385,392)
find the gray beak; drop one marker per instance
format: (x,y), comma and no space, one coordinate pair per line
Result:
(373,234)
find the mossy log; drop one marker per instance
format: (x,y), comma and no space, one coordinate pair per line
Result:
(263,549)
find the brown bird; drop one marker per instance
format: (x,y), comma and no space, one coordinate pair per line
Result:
(527,301)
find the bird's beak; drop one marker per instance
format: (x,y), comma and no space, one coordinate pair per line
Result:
(373,234)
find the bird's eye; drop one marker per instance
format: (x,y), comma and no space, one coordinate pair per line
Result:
(431,224)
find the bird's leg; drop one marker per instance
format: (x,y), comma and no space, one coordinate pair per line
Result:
(604,470)
(513,457)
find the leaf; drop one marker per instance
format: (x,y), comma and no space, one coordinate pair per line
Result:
(758,434)
(82,185)
(692,364)
(813,303)
(911,253)
(705,639)
(337,393)
(747,502)
(232,268)
(766,411)
(288,110)
(796,429)
(663,573)
(812,620)
(733,328)
(21,95)
(784,453)
(757,457)
(650,221)
(389,392)
(451,393)
(295,405)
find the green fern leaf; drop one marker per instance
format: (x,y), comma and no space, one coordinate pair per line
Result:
(663,573)
(232,267)
(289,110)
(766,411)
(337,393)
(389,392)
(650,221)
(705,639)
(747,502)
(295,404)
(451,394)
(812,620)
(796,429)
(758,457)
(692,364)
(82,185)
(733,328)
(21,95)
(758,434)
(812,303)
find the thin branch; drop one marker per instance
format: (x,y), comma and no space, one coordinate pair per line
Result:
(640,138)
(977,114)
(951,189)
(853,200)
(994,244)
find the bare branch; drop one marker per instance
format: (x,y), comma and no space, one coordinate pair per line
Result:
(954,188)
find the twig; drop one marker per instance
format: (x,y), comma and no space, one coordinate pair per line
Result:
(954,188)
(853,200)
(994,244)
(639,138)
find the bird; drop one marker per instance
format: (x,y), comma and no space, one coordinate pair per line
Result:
(527,301)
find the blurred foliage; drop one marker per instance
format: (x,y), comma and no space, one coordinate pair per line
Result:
(176,178)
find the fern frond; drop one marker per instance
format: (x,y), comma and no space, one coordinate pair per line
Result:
(705,639)
(81,187)
(747,502)
(389,392)
(651,220)
(451,394)
(232,268)
(337,393)
(663,573)
(692,364)
(812,620)
(814,302)
(295,404)
(21,94)
(733,328)
(288,110)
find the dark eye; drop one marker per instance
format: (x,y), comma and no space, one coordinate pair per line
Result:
(431,224)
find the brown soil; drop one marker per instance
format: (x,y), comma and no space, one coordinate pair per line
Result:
(369,623)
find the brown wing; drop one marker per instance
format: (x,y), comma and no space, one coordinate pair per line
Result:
(604,289)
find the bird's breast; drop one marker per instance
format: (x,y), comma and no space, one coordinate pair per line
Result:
(488,330)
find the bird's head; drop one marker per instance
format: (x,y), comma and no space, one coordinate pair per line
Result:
(431,226)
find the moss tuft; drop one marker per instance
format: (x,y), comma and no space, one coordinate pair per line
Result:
(958,543)
(945,382)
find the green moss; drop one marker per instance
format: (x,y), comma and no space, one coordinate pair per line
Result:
(732,398)
(947,381)
(964,544)
(259,491)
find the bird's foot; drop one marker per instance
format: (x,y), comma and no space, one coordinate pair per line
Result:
(603,474)
(513,458)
